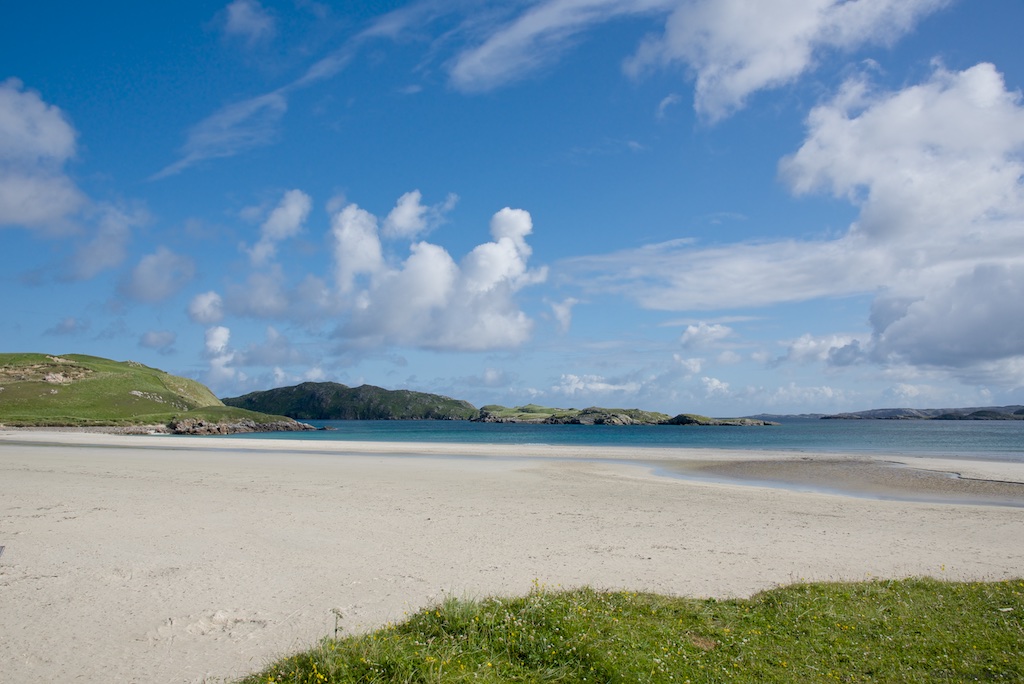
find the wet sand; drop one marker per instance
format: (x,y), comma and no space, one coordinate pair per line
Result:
(161,559)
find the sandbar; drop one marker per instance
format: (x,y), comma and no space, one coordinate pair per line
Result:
(169,559)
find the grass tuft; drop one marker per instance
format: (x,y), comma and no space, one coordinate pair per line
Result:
(917,630)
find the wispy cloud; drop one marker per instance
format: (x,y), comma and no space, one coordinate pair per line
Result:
(733,47)
(536,38)
(935,171)
(238,127)
(249,20)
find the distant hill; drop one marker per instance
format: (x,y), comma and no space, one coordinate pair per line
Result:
(532,413)
(973,413)
(334,401)
(81,391)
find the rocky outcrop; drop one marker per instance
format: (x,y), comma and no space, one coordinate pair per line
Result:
(198,426)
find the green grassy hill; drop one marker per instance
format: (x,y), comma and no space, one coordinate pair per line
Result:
(78,390)
(334,401)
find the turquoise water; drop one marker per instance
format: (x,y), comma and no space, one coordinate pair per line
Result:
(1000,440)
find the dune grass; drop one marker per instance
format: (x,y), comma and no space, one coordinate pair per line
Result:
(917,630)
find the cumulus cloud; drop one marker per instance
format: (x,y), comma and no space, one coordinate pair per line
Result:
(36,139)
(704,335)
(979,317)
(691,366)
(248,20)
(818,349)
(206,308)
(714,387)
(411,218)
(158,276)
(220,356)
(429,300)
(935,171)
(285,221)
(582,385)
(217,339)
(357,248)
(738,47)
(733,48)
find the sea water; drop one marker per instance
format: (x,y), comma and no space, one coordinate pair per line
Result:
(994,440)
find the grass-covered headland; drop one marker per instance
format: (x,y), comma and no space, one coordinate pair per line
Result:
(75,390)
(917,630)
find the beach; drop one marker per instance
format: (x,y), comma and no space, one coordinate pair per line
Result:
(168,559)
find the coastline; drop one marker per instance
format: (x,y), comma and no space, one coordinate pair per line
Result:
(169,559)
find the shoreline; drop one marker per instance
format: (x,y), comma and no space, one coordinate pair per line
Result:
(900,477)
(169,559)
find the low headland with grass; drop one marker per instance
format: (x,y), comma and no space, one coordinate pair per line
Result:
(911,630)
(75,390)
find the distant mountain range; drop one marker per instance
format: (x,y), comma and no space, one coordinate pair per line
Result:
(971,413)
(975,413)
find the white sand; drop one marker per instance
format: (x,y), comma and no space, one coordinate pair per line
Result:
(161,559)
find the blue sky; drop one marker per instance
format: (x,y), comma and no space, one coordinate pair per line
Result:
(714,206)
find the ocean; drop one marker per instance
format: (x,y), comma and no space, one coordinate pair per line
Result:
(993,440)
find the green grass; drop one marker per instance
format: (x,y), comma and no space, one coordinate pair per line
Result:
(94,391)
(917,630)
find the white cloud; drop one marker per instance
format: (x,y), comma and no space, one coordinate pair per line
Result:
(738,47)
(206,308)
(221,357)
(428,300)
(275,350)
(535,38)
(935,170)
(410,218)
(728,358)
(704,335)
(158,276)
(36,140)
(217,339)
(691,366)
(161,340)
(582,385)
(667,103)
(817,349)
(732,47)
(285,221)
(713,387)
(357,249)
(233,129)
(249,20)
(108,247)
(69,326)
(563,313)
